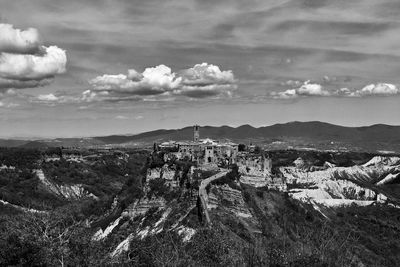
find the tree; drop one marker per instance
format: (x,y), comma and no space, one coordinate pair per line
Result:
(257,150)
(242,147)
(58,238)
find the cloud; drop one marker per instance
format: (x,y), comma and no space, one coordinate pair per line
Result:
(139,117)
(121,117)
(24,62)
(89,96)
(313,89)
(152,81)
(18,41)
(20,84)
(203,80)
(334,27)
(380,89)
(212,90)
(48,97)
(307,89)
(33,67)
(206,74)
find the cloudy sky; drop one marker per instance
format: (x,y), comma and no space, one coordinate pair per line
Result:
(95,67)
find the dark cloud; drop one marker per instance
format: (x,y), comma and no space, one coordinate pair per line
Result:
(198,93)
(21,84)
(222,31)
(313,3)
(335,27)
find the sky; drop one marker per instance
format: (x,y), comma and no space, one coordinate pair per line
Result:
(98,67)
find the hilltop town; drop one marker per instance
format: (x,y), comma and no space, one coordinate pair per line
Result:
(209,153)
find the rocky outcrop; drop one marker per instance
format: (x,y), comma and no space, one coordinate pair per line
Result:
(4,167)
(20,208)
(153,173)
(186,233)
(388,179)
(66,191)
(336,186)
(101,234)
(140,207)
(382,161)
(229,198)
(122,247)
(142,232)
(165,172)
(253,171)
(254,181)
(270,182)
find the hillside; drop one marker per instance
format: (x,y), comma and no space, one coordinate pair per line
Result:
(314,134)
(136,208)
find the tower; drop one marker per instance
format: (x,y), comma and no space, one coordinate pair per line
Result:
(196,133)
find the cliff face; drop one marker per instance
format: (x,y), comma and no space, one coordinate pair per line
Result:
(153,213)
(338,186)
(260,206)
(66,191)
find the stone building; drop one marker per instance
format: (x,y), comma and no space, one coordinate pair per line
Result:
(196,133)
(203,151)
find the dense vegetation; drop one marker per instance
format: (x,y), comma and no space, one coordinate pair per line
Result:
(286,232)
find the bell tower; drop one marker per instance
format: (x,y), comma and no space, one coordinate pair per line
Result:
(196,133)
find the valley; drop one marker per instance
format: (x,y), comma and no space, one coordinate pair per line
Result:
(302,207)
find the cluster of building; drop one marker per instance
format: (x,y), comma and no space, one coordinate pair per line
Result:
(255,167)
(203,151)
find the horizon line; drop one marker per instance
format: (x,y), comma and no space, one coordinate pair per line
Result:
(21,137)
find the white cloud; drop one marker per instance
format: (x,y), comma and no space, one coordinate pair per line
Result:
(344,92)
(152,81)
(88,96)
(307,89)
(134,75)
(206,74)
(161,77)
(139,117)
(211,90)
(312,89)
(24,62)
(290,93)
(121,117)
(18,41)
(202,80)
(48,98)
(380,89)
(33,67)
(99,96)
(292,83)
(8,105)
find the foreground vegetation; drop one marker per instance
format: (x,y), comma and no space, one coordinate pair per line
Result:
(289,233)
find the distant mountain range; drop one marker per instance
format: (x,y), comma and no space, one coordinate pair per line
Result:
(312,134)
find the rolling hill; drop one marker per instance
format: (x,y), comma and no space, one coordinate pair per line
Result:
(314,133)
(380,136)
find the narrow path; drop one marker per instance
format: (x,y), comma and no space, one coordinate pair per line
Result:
(203,193)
